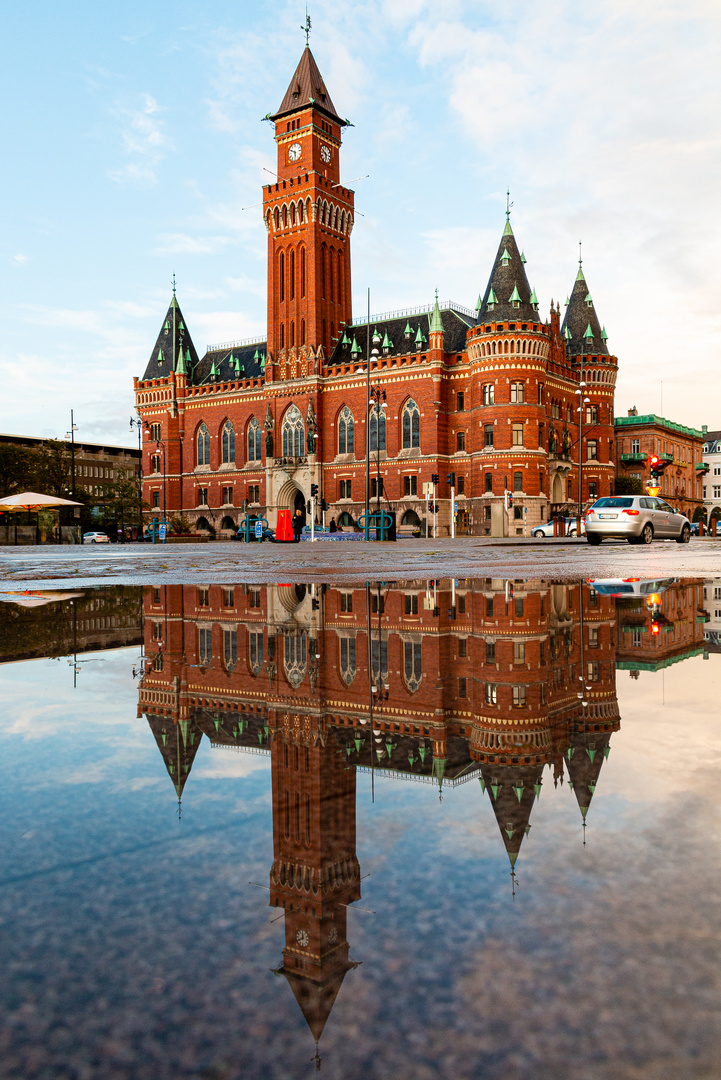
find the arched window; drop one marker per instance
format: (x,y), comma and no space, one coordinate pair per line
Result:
(255,652)
(228,444)
(291,279)
(322,271)
(331,256)
(230,649)
(254,440)
(378,430)
(411,425)
(282,335)
(347,660)
(460,441)
(412,664)
(281,274)
(295,658)
(292,334)
(293,433)
(346,432)
(302,331)
(203,445)
(302,272)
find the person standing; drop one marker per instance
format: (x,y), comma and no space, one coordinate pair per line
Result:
(297,525)
(332,527)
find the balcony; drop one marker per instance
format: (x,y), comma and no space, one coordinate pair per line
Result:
(634,457)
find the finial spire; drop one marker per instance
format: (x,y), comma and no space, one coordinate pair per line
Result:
(173,283)
(509,204)
(580,254)
(306,27)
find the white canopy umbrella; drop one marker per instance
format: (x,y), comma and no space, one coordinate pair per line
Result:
(32,500)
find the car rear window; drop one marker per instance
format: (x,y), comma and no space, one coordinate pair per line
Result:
(613,502)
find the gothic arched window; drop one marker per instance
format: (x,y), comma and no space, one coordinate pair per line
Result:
(293,433)
(203,445)
(378,430)
(228,444)
(347,659)
(411,425)
(230,649)
(412,664)
(254,440)
(255,652)
(295,658)
(346,432)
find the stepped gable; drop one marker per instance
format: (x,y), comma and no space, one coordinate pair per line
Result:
(580,316)
(230,363)
(307,89)
(160,363)
(401,335)
(512,791)
(508,294)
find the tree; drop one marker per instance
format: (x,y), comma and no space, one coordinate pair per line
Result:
(121,502)
(18,468)
(54,468)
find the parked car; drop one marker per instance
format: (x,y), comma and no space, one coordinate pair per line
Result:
(636,518)
(547,529)
(624,587)
(96,538)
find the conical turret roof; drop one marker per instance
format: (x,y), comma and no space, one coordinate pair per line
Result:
(307,88)
(316,999)
(161,359)
(509,285)
(588,752)
(512,791)
(580,316)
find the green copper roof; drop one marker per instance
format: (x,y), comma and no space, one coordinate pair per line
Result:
(387,343)
(579,275)
(180,367)
(519,788)
(213,371)
(567,334)
(604,335)
(408,332)
(588,299)
(419,336)
(479,302)
(508,231)
(567,302)
(436,321)
(588,333)
(534,300)
(515,297)
(505,257)
(523,257)
(355,348)
(160,356)
(492,298)
(345,340)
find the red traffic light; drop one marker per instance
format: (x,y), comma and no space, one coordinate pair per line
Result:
(655,628)
(654,461)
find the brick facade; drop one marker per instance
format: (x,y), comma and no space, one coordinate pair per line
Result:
(639,438)
(489,396)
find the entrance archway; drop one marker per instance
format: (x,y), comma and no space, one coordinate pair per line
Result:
(299,504)
(557,491)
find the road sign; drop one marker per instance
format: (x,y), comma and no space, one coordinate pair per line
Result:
(258,529)
(161,531)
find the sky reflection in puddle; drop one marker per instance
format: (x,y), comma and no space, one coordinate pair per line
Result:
(490,852)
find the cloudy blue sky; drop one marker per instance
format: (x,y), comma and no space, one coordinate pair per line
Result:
(132,143)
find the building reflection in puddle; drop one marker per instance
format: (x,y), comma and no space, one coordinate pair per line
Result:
(508,684)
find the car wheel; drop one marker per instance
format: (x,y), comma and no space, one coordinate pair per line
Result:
(647,533)
(685,535)
(93,541)
(594,539)
(539,535)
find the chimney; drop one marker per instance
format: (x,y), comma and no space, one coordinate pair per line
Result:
(633,411)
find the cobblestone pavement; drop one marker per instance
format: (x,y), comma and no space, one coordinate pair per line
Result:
(63,567)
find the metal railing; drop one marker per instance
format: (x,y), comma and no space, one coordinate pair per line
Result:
(402,313)
(235,344)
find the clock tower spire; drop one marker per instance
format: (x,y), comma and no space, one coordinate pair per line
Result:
(309,218)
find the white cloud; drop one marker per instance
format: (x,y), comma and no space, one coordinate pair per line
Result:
(143,140)
(20,259)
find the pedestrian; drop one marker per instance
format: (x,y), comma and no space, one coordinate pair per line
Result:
(332,527)
(297,525)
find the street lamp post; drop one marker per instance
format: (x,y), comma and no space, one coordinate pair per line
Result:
(582,402)
(138,423)
(377,402)
(71,435)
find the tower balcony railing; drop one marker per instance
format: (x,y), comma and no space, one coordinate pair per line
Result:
(403,313)
(633,457)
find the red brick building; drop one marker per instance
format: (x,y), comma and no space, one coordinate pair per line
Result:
(490,396)
(639,438)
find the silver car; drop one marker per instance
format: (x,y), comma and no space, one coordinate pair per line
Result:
(636,518)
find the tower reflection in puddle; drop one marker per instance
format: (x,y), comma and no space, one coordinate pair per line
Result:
(439,682)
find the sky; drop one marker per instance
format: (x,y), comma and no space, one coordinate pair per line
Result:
(133,149)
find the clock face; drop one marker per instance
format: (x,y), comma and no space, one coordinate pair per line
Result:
(302,938)
(325,154)
(295,151)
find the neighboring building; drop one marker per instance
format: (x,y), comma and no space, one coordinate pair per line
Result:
(489,396)
(96,464)
(712,606)
(659,629)
(638,438)
(712,476)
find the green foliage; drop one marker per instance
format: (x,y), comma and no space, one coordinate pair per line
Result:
(181,526)
(121,502)
(628,485)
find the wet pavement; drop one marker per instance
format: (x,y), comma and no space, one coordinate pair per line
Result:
(444,828)
(357,562)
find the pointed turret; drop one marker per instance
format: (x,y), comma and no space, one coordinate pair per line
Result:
(173,347)
(315,997)
(586,753)
(307,88)
(581,328)
(508,293)
(436,333)
(178,744)
(513,791)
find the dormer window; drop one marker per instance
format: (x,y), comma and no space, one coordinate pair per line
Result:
(505,257)
(515,297)
(491,302)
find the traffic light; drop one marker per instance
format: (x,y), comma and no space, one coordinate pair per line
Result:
(324,505)
(655,628)
(451,478)
(509,500)
(434,478)
(315,604)
(657,465)
(313,491)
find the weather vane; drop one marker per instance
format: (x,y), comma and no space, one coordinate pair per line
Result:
(306,28)
(580,258)
(173,284)
(509,204)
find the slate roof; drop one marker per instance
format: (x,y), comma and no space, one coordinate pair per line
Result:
(508,279)
(580,314)
(402,331)
(240,362)
(160,363)
(307,88)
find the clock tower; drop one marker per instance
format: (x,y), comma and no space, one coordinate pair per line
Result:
(309,218)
